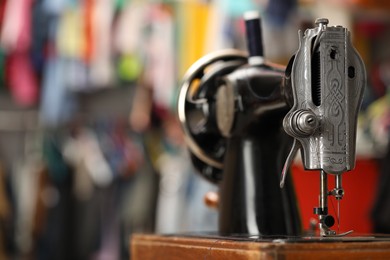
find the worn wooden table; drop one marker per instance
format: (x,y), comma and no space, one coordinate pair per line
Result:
(208,247)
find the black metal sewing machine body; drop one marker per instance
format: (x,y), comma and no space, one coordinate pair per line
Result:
(250,200)
(245,119)
(242,107)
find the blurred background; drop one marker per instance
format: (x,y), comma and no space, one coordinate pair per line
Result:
(90,147)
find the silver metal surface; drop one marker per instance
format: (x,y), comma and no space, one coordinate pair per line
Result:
(225,100)
(340,84)
(323,190)
(290,158)
(338,191)
(303,122)
(328,78)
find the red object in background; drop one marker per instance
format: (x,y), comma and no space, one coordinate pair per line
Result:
(371,29)
(355,208)
(89,6)
(22,79)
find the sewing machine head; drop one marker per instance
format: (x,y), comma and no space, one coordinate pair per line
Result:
(232,107)
(327,78)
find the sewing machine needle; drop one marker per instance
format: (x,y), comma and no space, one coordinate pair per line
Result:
(339,195)
(338,216)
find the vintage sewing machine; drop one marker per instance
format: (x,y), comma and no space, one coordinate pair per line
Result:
(245,119)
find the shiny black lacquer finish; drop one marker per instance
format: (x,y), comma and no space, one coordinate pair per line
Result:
(251,201)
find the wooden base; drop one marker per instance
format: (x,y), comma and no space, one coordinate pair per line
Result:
(188,247)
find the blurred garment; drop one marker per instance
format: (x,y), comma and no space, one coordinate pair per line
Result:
(58,103)
(278,12)
(180,206)
(24,181)
(92,218)
(172,202)
(102,74)
(160,53)
(16,40)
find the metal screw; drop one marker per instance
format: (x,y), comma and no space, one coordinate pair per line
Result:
(305,122)
(322,21)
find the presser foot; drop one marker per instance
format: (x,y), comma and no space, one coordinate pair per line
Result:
(325,223)
(325,230)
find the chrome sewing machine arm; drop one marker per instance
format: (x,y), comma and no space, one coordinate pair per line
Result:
(327,78)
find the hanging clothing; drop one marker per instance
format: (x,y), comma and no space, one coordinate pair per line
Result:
(15,38)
